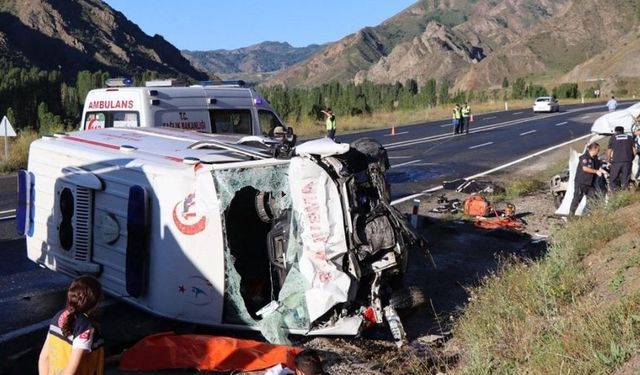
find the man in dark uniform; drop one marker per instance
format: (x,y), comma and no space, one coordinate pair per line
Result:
(584,182)
(620,154)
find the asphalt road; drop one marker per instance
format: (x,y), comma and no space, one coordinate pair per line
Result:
(422,155)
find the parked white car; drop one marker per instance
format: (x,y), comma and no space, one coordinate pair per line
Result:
(198,228)
(546,104)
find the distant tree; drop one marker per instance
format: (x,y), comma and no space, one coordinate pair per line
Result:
(566,90)
(505,83)
(443,97)
(429,94)
(11,116)
(533,91)
(518,89)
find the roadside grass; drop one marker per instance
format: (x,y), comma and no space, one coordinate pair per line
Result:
(19,149)
(541,317)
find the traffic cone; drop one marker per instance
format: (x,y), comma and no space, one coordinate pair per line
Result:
(393,130)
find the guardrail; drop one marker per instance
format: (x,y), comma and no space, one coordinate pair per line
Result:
(7,215)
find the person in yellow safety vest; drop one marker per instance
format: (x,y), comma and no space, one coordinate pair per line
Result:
(330,123)
(457,119)
(466,116)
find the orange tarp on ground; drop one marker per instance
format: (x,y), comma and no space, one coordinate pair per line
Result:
(170,351)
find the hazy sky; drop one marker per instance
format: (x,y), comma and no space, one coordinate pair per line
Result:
(229,24)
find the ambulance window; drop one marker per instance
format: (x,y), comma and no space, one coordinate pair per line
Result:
(268,122)
(230,121)
(95,120)
(111,119)
(125,119)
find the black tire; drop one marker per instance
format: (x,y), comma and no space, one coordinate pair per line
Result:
(407,298)
(373,150)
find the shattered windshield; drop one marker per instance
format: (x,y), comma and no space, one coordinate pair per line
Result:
(261,250)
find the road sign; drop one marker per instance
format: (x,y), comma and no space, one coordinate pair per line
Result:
(6,131)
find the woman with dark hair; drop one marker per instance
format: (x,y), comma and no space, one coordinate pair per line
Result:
(73,345)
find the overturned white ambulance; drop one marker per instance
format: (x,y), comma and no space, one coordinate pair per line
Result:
(201,229)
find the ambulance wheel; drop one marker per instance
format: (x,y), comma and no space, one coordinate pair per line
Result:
(407,298)
(374,151)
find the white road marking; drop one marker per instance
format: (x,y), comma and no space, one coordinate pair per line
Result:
(439,137)
(517,113)
(407,163)
(562,123)
(482,145)
(503,166)
(585,117)
(399,157)
(529,132)
(391,135)
(7,212)
(490,118)
(3,218)
(445,125)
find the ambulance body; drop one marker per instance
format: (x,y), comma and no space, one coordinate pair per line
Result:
(193,227)
(207,108)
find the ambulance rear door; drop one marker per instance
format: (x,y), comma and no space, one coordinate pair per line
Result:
(113,108)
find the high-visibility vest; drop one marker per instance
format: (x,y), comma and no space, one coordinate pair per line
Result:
(466,111)
(331,124)
(456,114)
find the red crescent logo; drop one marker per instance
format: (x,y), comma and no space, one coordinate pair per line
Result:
(91,124)
(188,229)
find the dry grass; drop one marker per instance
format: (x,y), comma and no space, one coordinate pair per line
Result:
(18,151)
(543,317)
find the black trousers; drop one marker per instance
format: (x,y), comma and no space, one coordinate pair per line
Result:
(465,125)
(579,192)
(620,175)
(331,133)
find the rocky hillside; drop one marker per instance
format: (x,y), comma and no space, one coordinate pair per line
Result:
(71,35)
(259,58)
(477,43)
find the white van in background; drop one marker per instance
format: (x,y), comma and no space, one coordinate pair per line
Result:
(219,107)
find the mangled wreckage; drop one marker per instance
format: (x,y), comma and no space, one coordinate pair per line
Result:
(205,229)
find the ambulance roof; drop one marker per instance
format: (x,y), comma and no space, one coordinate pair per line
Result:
(159,145)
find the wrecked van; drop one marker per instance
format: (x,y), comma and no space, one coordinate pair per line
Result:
(191,227)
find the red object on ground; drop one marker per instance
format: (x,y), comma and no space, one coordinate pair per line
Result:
(498,222)
(170,351)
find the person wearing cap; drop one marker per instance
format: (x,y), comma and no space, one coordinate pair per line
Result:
(584,182)
(330,122)
(620,154)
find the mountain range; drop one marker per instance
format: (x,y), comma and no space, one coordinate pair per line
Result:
(472,44)
(475,44)
(73,35)
(254,62)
